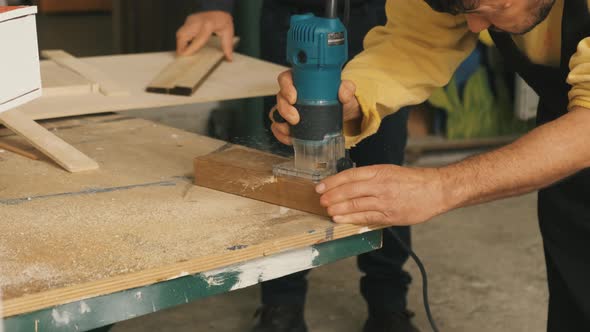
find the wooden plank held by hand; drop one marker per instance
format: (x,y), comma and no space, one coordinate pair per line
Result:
(186,73)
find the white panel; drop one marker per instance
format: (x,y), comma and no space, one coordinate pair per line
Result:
(19,61)
(20,100)
(20,11)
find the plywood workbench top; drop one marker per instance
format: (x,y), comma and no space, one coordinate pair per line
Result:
(136,221)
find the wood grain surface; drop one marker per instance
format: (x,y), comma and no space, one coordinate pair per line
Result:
(136,221)
(247,172)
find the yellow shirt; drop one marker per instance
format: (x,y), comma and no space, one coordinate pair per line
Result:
(419,49)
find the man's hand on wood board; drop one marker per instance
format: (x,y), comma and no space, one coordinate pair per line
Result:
(199,27)
(383,195)
(287,97)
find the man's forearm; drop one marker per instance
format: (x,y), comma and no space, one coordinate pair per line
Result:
(544,156)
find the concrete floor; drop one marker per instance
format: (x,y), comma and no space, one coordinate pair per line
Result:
(485,263)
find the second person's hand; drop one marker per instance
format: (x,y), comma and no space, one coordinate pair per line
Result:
(199,27)
(287,97)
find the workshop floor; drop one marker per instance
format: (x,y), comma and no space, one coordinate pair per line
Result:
(485,263)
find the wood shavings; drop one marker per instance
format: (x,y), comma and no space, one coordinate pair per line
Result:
(57,239)
(254,185)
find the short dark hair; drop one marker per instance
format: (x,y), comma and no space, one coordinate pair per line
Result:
(452,6)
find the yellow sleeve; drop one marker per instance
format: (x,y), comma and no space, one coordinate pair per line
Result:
(416,51)
(579,76)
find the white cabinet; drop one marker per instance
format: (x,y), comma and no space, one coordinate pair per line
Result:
(20,79)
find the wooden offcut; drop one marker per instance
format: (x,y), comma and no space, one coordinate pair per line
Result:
(247,172)
(54,147)
(61,81)
(17,150)
(186,73)
(108,86)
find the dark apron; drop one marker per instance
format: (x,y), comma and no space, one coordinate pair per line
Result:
(563,208)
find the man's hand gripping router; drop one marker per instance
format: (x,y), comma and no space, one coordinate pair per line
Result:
(287,97)
(380,194)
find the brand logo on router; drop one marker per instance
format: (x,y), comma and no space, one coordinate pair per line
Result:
(335,38)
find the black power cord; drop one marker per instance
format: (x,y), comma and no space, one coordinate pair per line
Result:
(331,10)
(346,18)
(424,278)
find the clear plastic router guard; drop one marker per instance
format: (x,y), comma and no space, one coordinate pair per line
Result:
(314,160)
